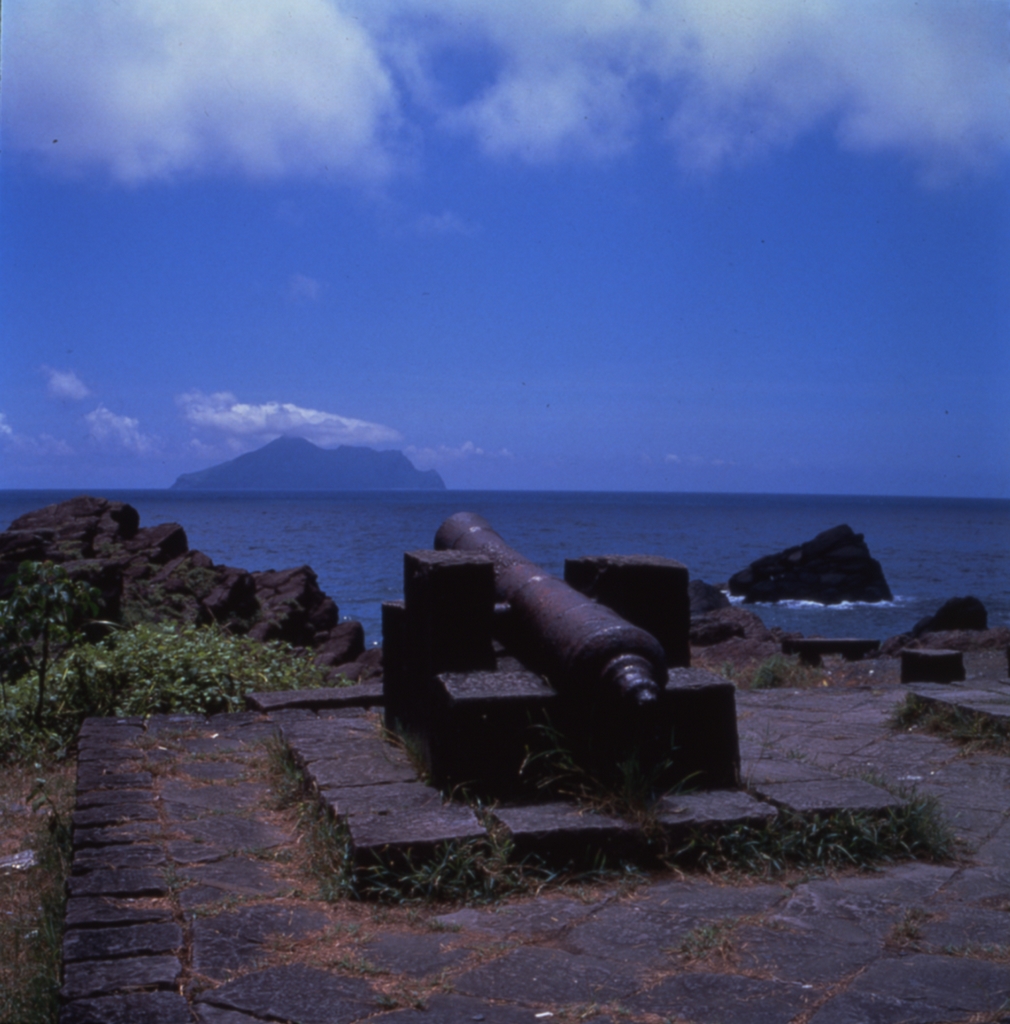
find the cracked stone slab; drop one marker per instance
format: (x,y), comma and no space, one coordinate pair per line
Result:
(705,998)
(134,832)
(106,977)
(364,763)
(400,818)
(114,798)
(233,941)
(115,814)
(93,776)
(181,851)
(116,942)
(716,808)
(135,1008)
(534,975)
(295,993)
(92,911)
(413,955)
(126,882)
(112,759)
(764,770)
(446,1009)
(828,796)
(131,855)
(541,917)
(560,831)
(185,801)
(362,695)
(213,771)
(238,875)
(919,989)
(230,833)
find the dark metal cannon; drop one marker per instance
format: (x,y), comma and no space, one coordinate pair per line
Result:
(582,647)
(486,647)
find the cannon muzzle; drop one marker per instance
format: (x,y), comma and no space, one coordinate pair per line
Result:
(582,647)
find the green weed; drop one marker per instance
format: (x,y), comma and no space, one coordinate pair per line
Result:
(975,731)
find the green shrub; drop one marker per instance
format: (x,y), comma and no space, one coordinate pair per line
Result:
(149,669)
(780,671)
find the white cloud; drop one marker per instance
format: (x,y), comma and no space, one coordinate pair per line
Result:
(442,455)
(149,90)
(444,223)
(302,287)
(107,428)
(45,445)
(224,413)
(65,384)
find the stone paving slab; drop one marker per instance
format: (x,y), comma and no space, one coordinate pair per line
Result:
(104,977)
(558,832)
(137,1008)
(362,695)
(828,796)
(819,950)
(295,993)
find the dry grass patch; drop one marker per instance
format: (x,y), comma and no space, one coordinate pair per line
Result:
(32,900)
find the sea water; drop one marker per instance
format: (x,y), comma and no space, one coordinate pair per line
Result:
(930,548)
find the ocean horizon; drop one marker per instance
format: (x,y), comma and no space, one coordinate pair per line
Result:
(930,548)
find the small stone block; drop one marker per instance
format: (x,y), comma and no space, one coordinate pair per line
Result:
(125,882)
(828,796)
(449,598)
(699,709)
(365,762)
(404,819)
(105,977)
(92,911)
(715,809)
(811,649)
(931,666)
(114,814)
(132,832)
(560,832)
(479,727)
(91,776)
(128,940)
(361,695)
(648,591)
(124,855)
(134,1008)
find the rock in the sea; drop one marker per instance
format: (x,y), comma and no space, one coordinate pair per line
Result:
(151,575)
(705,598)
(833,567)
(956,613)
(722,624)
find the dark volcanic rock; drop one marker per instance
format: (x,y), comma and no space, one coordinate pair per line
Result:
(151,575)
(705,598)
(956,613)
(833,567)
(722,624)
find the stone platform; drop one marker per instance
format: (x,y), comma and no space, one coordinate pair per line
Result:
(191,897)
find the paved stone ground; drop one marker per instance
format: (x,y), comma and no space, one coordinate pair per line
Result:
(191,900)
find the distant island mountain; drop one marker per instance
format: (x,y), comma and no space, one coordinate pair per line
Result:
(295,464)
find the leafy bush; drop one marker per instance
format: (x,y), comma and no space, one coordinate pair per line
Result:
(147,670)
(781,671)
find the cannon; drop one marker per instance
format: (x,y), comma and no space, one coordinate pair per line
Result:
(486,647)
(582,647)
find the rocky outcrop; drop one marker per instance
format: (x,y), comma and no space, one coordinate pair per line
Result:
(833,567)
(997,639)
(705,598)
(955,613)
(151,575)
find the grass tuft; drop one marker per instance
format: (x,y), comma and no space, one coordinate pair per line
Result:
(973,730)
(916,830)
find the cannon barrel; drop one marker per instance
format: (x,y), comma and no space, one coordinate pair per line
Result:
(580,646)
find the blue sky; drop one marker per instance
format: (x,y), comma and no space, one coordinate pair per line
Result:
(598,244)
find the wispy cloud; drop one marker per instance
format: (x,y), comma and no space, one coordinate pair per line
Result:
(223,413)
(107,428)
(42,446)
(442,455)
(65,384)
(151,91)
(444,223)
(301,287)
